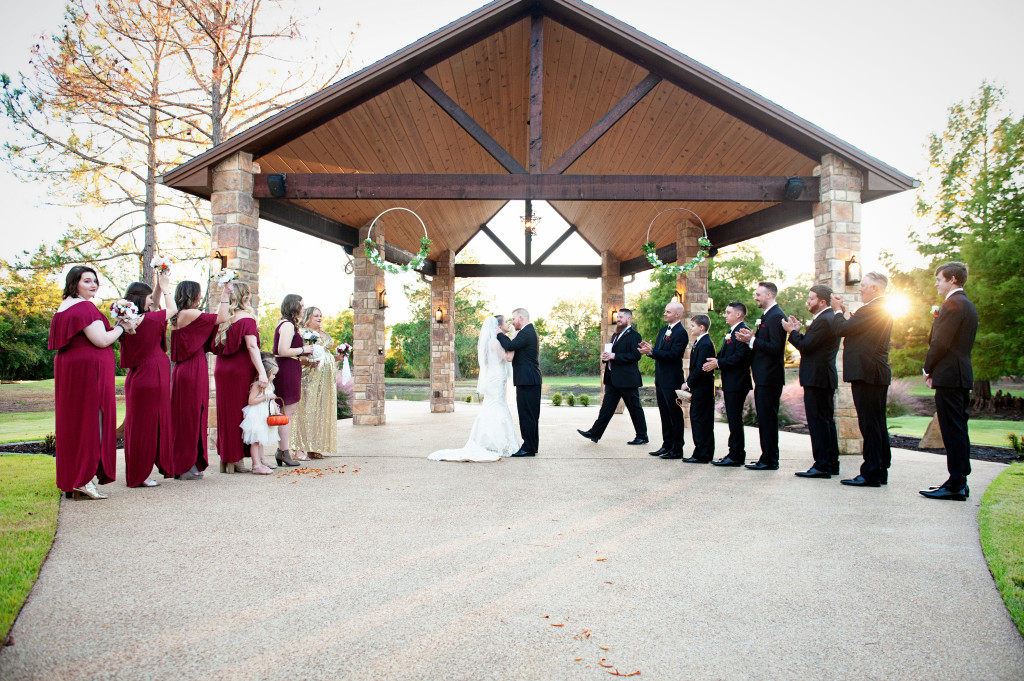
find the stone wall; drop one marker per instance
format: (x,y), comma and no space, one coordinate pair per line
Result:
(442,336)
(368,336)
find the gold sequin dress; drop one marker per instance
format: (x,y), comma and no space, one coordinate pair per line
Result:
(315,421)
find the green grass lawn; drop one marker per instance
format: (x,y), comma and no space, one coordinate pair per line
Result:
(34,425)
(1001,525)
(919,389)
(983,432)
(28,519)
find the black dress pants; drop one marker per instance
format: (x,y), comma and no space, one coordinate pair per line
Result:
(702,421)
(528,406)
(673,425)
(766,402)
(612,395)
(734,401)
(951,407)
(820,406)
(870,403)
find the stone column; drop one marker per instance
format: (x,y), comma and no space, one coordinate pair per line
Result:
(368,336)
(836,239)
(613,298)
(692,286)
(442,336)
(235,233)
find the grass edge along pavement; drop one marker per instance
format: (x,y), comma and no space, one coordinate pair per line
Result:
(1001,528)
(29,502)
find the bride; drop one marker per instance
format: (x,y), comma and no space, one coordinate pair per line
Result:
(493,434)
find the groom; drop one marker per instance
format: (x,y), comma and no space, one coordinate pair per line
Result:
(526,377)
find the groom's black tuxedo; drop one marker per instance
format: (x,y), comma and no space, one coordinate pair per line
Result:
(622,381)
(526,377)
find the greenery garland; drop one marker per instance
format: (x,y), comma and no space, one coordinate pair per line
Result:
(373,255)
(651,251)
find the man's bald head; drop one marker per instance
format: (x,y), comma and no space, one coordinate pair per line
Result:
(673,312)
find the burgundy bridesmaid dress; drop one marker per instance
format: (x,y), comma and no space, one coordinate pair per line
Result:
(190,393)
(147,396)
(233,374)
(83,386)
(288,384)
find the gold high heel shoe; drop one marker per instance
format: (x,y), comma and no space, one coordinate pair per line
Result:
(88,491)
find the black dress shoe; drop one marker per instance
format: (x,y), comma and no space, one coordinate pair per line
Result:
(672,455)
(812,472)
(660,451)
(860,481)
(694,459)
(948,494)
(587,434)
(523,452)
(762,466)
(727,461)
(638,441)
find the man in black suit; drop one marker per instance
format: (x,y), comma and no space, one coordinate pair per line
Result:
(526,377)
(621,381)
(667,351)
(733,361)
(819,378)
(767,363)
(866,369)
(701,386)
(947,369)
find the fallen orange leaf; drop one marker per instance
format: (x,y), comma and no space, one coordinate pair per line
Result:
(618,673)
(606,666)
(601,560)
(603,648)
(577,659)
(558,624)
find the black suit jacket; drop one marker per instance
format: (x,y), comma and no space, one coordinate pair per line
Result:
(526,363)
(818,348)
(948,361)
(700,382)
(624,370)
(668,357)
(866,350)
(768,360)
(734,363)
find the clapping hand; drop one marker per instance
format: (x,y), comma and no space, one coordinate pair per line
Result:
(792,324)
(644,348)
(837,304)
(743,335)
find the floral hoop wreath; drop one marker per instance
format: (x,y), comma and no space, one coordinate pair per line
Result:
(374,256)
(651,251)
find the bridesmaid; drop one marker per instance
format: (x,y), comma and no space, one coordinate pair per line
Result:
(288,347)
(315,429)
(147,389)
(83,385)
(191,336)
(237,346)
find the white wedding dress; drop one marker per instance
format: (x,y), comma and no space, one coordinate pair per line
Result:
(493,434)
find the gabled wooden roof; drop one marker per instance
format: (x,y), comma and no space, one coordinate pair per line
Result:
(613,127)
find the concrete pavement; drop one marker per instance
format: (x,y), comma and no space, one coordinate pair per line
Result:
(384,565)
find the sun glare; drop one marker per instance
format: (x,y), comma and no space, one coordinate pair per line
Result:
(898,305)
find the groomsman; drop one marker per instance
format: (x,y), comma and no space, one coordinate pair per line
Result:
(701,386)
(819,378)
(866,369)
(667,351)
(621,381)
(733,361)
(947,369)
(767,363)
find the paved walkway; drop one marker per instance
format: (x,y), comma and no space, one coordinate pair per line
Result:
(588,559)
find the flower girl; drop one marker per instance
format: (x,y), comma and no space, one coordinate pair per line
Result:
(255,431)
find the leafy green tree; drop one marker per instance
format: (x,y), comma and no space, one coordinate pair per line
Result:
(573,348)
(973,198)
(27,302)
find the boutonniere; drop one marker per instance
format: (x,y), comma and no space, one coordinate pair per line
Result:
(668,334)
(935,311)
(728,336)
(757,325)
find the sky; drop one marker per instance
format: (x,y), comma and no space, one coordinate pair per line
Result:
(877,74)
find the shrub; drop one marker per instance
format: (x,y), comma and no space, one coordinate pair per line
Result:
(585,400)
(344,405)
(571,400)
(469,398)
(901,402)
(1017,445)
(791,405)
(556,399)
(50,443)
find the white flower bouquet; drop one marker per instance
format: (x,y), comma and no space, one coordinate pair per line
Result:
(122,310)
(226,275)
(161,264)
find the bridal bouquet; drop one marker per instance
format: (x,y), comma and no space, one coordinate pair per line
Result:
(226,275)
(160,264)
(122,309)
(310,337)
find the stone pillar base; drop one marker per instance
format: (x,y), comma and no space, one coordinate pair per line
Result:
(613,298)
(368,337)
(442,336)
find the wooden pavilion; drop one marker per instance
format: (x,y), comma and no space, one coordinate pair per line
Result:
(533,100)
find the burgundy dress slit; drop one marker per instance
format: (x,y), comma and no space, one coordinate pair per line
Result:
(190,393)
(147,392)
(233,374)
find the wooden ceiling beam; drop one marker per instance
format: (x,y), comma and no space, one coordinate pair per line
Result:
(536,92)
(760,223)
(501,244)
(576,271)
(287,214)
(604,125)
(470,187)
(558,242)
(467,123)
